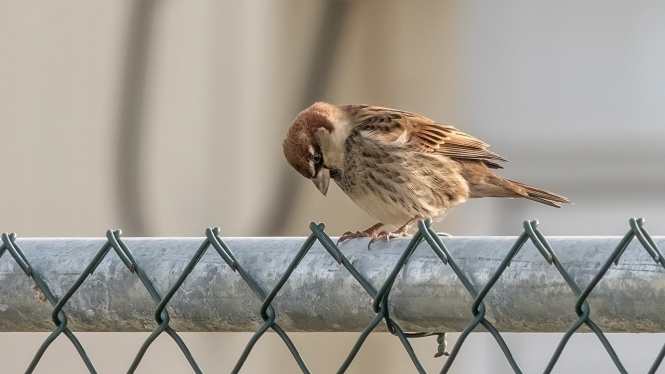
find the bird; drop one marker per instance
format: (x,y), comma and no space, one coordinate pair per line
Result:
(398,166)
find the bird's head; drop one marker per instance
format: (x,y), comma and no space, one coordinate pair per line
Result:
(302,145)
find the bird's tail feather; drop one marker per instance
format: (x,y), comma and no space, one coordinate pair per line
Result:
(540,195)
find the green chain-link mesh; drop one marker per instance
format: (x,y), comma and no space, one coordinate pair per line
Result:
(380,297)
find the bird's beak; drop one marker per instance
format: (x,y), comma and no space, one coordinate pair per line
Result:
(322,180)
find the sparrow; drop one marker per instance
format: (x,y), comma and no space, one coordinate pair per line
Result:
(398,166)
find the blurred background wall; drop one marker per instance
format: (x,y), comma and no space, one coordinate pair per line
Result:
(165,117)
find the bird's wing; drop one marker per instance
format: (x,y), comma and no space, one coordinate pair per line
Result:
(399,128)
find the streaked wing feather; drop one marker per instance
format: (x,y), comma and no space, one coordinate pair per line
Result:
(386,125)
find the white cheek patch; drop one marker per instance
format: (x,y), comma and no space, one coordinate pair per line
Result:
(339,133)
(332,147)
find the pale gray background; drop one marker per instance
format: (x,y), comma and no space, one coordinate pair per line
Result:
(573,93)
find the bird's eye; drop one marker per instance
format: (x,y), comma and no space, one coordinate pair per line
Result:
(316,158)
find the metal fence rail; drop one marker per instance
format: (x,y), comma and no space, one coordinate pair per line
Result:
(424,286)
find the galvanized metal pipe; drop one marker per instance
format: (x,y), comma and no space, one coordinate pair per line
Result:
(322,296)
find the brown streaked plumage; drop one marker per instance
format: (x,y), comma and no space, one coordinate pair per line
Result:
(398,166)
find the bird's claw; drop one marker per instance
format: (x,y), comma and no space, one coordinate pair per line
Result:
(385,236)
(382,236)
(351,235)
(370,232)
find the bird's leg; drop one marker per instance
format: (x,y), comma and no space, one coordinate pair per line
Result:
(370,232)
(402,231)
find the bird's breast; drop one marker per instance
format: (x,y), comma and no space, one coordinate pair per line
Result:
(396,186)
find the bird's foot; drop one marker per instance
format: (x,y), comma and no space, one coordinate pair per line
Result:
(369,233)
(351,235)
(385,236)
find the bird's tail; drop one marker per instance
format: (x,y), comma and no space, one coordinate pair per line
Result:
(538,194)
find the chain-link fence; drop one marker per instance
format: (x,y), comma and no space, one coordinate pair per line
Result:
(379,296)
